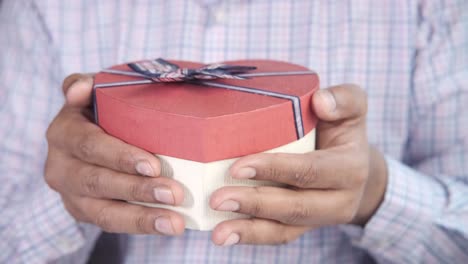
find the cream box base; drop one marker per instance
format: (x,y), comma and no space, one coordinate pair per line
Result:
(200,180)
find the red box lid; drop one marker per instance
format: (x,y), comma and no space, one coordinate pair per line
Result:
(202,123)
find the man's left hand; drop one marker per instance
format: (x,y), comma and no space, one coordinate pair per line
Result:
(343,182)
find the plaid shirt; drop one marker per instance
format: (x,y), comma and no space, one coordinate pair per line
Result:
(410,56)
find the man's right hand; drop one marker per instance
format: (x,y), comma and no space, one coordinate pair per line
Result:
(96,173)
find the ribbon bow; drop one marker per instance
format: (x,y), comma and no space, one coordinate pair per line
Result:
(160,70)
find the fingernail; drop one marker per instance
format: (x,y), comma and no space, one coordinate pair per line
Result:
(164,195)
(144,168)
(76,88)
(232,239)
(329,99)
(228,205)
(72,85)
(164,225)
(245,173)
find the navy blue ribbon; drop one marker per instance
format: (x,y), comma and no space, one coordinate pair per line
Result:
(160,70)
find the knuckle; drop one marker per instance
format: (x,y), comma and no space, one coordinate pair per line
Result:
(104,219)
(273,172)
(256,208)
(86,145)
(306,175)
(298,213)
(125,160)
(141,223)
(91,183)
(135,192)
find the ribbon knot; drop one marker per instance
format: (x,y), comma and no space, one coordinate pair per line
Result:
(160,70)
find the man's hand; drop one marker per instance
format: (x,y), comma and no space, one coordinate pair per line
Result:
(342,182)
(94,172)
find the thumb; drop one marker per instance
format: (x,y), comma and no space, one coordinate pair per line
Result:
(346,101)
(77,89)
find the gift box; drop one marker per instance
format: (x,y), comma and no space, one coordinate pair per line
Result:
(198,119)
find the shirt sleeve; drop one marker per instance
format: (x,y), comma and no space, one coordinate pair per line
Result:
(424,215)
(34,225)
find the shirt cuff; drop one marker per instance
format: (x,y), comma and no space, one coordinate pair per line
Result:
(411,204)
(44,231)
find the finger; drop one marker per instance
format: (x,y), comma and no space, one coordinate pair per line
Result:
(69,80)
(322,169)
(340,102)
(255,231)
(69,175)
(99,182)
(78,89)
(121,217)
(88,142)
(292,207)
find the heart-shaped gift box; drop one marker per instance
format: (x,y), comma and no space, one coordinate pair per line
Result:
(198,127)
